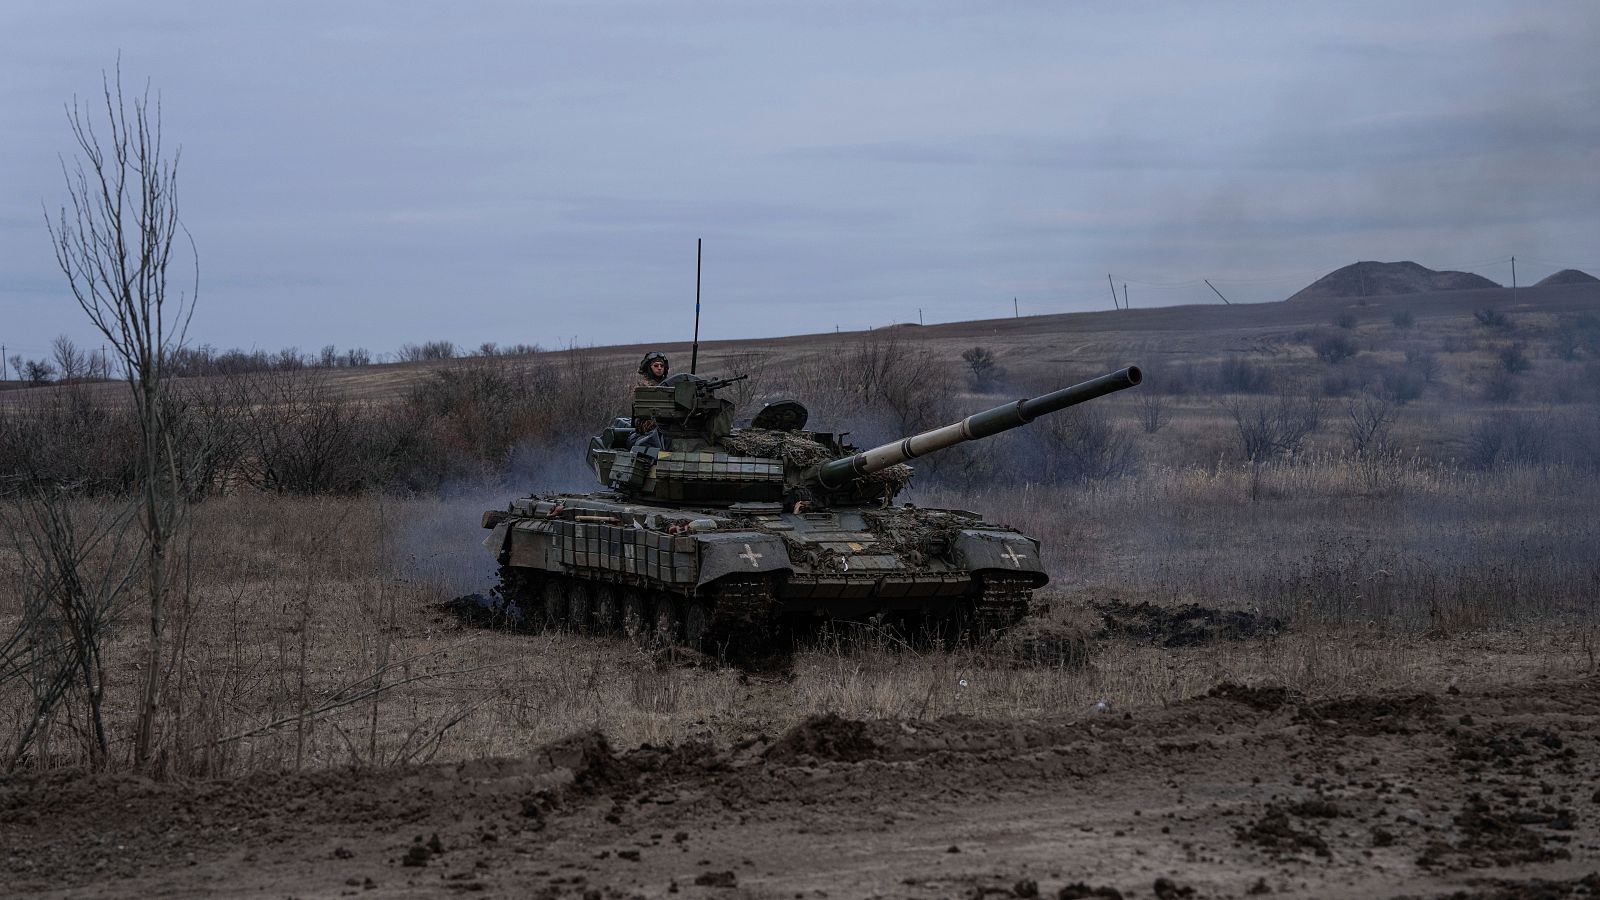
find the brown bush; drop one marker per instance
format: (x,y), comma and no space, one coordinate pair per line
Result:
(1275,427)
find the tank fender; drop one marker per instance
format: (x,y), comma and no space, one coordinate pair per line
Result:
(740,552)
(496,541)
(1006,551)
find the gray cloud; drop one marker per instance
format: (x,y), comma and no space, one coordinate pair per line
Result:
(371,173)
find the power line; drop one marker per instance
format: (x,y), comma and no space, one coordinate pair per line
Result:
(1560,265)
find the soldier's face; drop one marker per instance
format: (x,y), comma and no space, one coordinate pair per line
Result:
(658,368)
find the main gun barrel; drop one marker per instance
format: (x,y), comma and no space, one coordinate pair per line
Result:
(839,472)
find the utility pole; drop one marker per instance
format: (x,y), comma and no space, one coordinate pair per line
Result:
(1113,291)
(1125,296)
(1513,277)
(1016,311)
(919,315)
(3,375)
(1215,291)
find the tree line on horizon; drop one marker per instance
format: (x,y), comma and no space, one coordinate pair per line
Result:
(67,363)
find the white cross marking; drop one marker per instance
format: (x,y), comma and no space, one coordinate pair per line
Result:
(752,556)
(1014,556)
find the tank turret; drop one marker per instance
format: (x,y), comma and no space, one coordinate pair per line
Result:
(680,445)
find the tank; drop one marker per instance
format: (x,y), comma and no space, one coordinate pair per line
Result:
(714,536)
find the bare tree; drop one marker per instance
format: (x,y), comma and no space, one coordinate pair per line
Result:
(99,366)
(985,367)
(71,362)
(114,241)
(36,371)
(427,351)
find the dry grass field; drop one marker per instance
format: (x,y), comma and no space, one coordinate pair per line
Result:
(1401,498)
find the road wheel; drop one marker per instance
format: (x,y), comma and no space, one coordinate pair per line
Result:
(635,612)
(607,611)
(554,594)
(668,619)
(578,605)
(696,622)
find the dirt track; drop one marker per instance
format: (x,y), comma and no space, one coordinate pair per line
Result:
(1244,791)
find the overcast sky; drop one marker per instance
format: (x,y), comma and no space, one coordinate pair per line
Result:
(373,173)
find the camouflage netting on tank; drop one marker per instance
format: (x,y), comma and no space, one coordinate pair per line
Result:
(911,536)
(794,449)
(799,451)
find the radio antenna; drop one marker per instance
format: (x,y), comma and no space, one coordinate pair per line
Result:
(694,354)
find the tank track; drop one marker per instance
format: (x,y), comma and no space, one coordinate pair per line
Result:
(1001,603)
(518,588)
(742,611)
(743,618)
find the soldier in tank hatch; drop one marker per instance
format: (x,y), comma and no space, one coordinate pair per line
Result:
(653,370)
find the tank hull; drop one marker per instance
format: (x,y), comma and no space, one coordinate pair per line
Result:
(733,574)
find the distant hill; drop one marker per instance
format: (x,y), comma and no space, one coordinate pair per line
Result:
(1569,276)
(1381,279)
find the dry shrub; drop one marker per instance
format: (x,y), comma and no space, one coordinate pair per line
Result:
(1237,375)
(1333,347)
(297,435)
(1275,427)
(1154,412)
(901,378)
(1509,439)
(1493,318)
(1081,445)
(69,436)
(75,564)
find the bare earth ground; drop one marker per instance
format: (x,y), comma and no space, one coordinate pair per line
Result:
(1488,792)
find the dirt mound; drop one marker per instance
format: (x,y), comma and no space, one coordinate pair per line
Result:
(1568,276)
(1373,715)
(1383,279)
(1277,833)
(1184,626)
(1266,699)
(827,737)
